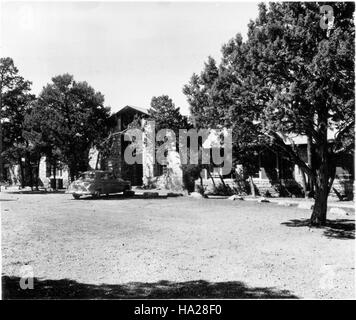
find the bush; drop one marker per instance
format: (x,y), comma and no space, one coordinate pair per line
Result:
(222,190)
(200,189)
(267,194)
(191,172)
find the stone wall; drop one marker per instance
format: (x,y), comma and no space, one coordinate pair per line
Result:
(148,153)
(172,178)
(45,176)
(114,161)
(93,158)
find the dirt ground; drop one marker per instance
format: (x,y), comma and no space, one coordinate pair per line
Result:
(171,248)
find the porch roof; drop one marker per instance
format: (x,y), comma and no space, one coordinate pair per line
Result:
(139,109)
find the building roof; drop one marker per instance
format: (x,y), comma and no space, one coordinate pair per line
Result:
(139,109)
(302,139)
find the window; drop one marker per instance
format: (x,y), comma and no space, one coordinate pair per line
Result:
(87,176)
(108,176)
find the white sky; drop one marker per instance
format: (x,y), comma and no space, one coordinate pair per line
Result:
(127,51)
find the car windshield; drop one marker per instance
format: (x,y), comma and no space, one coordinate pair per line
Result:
(87,176)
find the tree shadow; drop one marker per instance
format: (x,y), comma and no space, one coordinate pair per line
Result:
(70,289)
(121,197)
(37,192)
(343,229)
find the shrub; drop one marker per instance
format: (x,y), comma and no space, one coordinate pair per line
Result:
(223,190)
(200,189)
(267,194)
(191,172)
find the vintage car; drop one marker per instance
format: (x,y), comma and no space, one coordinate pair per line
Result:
(97,182)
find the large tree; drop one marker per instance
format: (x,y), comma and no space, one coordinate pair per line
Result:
(292,77)
(71,117)
(308,72)
(15,101)
(219,98)
(166,115)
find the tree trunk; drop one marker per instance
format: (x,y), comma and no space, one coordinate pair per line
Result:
(72,166)
(331,176)
(72,175)
(1,158)
(310,162)
(72,171)
(304,183)
(211,177)
(321,183)
(22,173)
(1,145)
(55,173)
(252,186)
(98,160)
(37,170)
(222,180)
(318,217)
(30,170)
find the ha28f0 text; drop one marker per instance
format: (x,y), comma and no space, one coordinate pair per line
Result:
(197,309)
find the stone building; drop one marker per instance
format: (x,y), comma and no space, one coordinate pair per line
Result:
(115,160)
(146,173)
(48,176)
(149,173)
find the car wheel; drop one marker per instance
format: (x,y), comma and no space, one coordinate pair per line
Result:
(76,196)
(96,194)
(129,193)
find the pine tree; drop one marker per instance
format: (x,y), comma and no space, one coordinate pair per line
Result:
(290,77)
(71,118)
(15,101)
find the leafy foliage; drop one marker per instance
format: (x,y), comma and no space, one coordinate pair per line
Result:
(15,102)
(166,115)
(71,118)
(290,77)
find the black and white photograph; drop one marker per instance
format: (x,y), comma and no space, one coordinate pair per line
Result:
(171,150)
